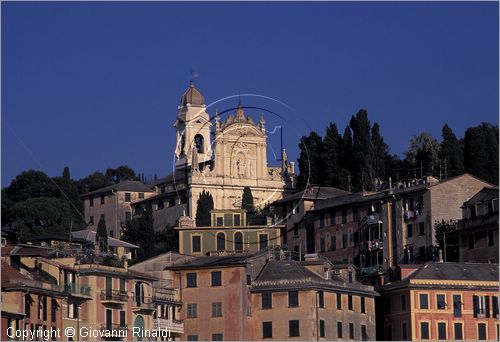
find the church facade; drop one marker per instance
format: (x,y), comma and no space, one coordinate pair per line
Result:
(218,156)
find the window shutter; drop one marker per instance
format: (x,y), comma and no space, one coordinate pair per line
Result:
(487,305)
(494,300)
(475,302)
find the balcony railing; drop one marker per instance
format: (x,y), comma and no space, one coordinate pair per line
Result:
(143,303)
(172,325)
(373,219)
(114,295)
(113,326)
(74,289)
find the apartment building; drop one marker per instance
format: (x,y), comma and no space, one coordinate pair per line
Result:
(478,229)
(440,301)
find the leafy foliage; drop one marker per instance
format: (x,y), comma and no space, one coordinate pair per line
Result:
(205,203)
(481,152)
(247,200)
(102,235)
(424,152)
(447,239)
(140,231)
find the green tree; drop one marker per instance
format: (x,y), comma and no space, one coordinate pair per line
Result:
(447,239)
(481,152)
(363,177)
(451,154)
(66,174)
(120,174)
(247,200)
(380,154)
(331,156)
(93,182)
(40,216)
(168,240)
(346,161)
(30,184)
(102,235)
(205,204)
(309,161)
(423,154)
(140,231)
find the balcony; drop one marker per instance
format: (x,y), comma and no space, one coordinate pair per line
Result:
(143,303)
(77,291)
(113,297)
(366,271)
(373,219)
(175,326)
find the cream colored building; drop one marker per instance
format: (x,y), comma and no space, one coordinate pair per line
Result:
(236,157)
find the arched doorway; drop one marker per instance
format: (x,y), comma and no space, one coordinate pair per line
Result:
(139,323)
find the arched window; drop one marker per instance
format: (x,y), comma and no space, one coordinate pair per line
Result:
(238,242)
(198,142)
(221,242)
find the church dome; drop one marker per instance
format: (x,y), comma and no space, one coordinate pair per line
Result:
(192,96)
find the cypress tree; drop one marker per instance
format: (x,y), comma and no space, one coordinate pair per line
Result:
(247,200)
(451,153)
(331,156)
(204,205)
(380,153)
(481,152)
(346,160)
(309,161)
(66,176)
(362,151)
(102,235)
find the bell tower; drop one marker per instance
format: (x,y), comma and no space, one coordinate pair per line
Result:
(192,129)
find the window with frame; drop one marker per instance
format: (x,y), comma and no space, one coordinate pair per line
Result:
(217,278)
(491,238)
(441,301)
(441,331)
(344,216)
(141,195)
(53,309)
(403,302)
(192,311)
(295,229)
(228,219)
(424,301)
(128,197)
(494,302)
(217,309)
(339,329)
(424,330)
(344,240)
(293,328)
(267,329)
(237,219)
(339,301)
(191,280)
(333,242)
(321,299)
(421,228)
(409,230)
(404,331)
(267,300)
(123,318)
(321,328)
(263,241)
(221,241)
(91,202)
(363,305)
(457,328)
(351,331)
(102,199)
(457,305)
(481,331)
(196,243)
(322,244)
(27,305)
(349,302)
(481,306)
(293,299)
(364,335)
(192,338)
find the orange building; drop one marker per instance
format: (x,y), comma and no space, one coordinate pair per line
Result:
(440,301)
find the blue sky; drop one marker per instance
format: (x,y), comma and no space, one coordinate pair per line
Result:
(96,85)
